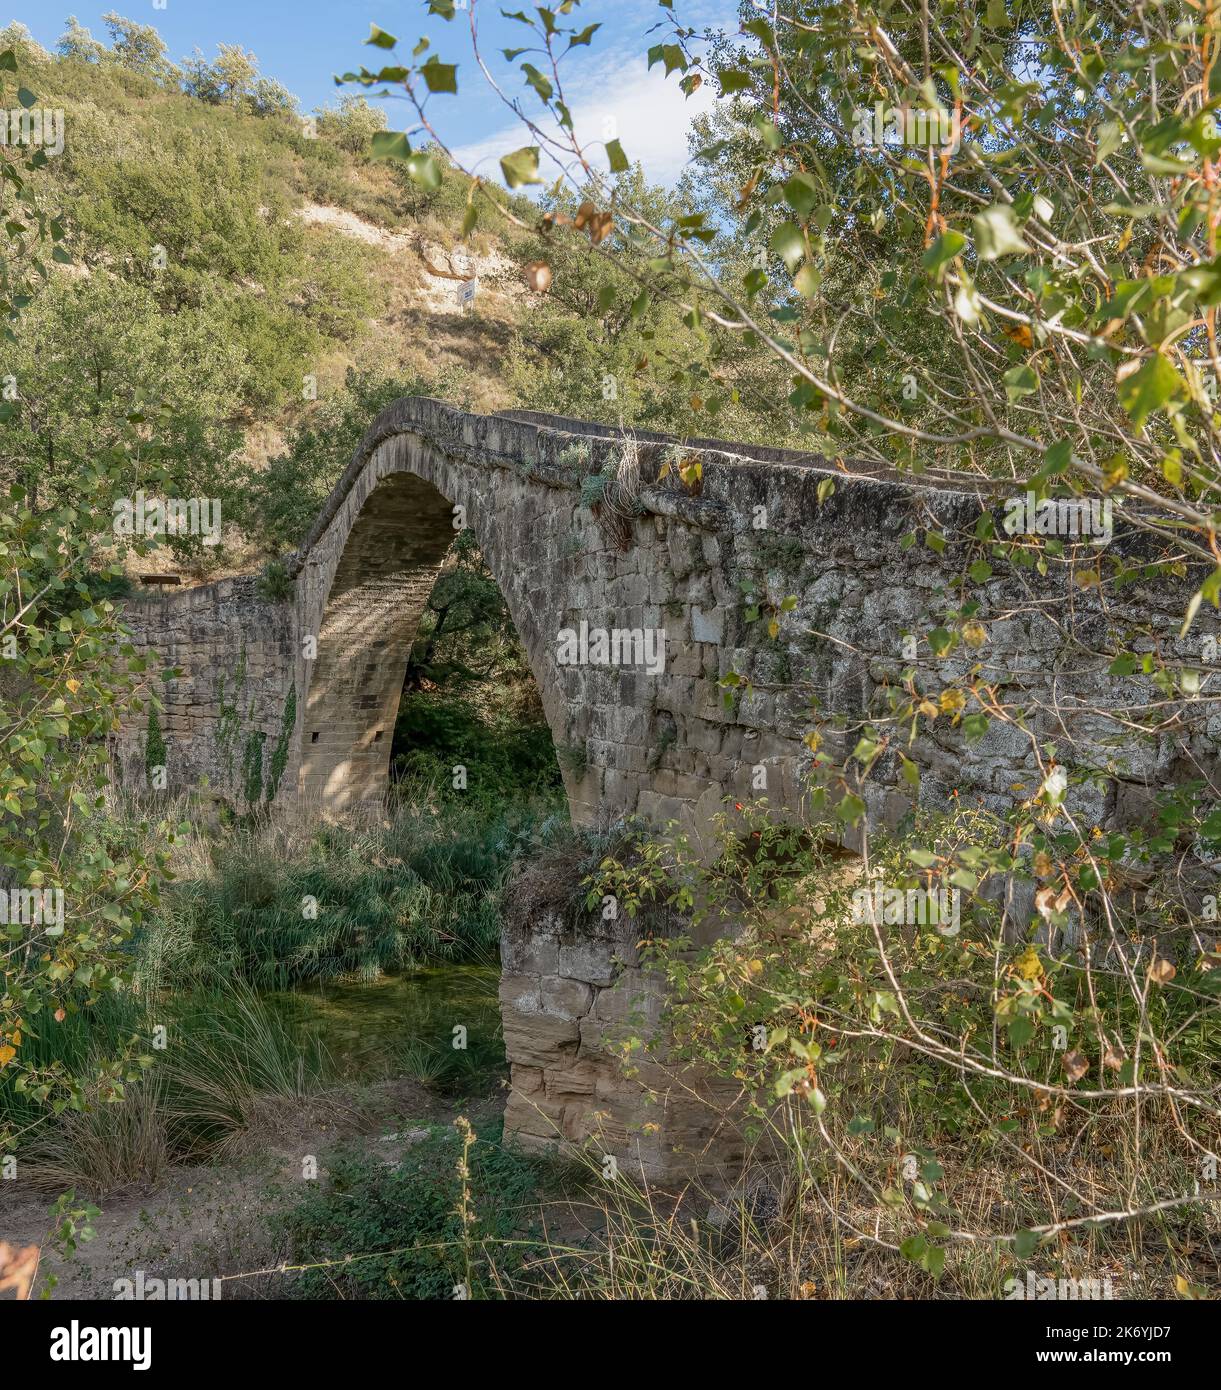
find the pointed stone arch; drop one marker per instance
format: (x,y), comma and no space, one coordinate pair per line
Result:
(363,583)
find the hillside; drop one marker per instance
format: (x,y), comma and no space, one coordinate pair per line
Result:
(242,276)
(256,277)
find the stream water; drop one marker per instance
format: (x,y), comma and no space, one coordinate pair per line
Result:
(404,1024)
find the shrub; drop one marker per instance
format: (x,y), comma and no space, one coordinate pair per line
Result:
(417,1230)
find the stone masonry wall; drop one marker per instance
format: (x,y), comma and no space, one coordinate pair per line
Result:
(571,995)
(226,708)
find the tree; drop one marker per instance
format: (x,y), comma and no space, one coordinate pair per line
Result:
(140,48)
(267,97)
(229,79)
(16,36)
(77,43)
(93,352)
(352,125)
(67,668)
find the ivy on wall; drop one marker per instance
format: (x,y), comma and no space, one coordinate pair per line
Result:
(279,754)
(252,766)
(229,725)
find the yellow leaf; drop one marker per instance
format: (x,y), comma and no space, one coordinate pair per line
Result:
(1028,965)
(7,1054)
(691,471)
(1115,470)
(73,686)
(1019,333)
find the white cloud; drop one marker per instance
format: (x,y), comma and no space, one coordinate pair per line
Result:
(650,116)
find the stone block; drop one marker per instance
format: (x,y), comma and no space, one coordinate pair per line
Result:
(566,998)
(539,1040)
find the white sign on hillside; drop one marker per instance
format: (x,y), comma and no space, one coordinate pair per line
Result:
(466,292)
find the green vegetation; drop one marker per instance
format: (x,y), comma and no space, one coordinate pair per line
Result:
(457,1211)
(255,909)
(222,1058)
(281,906)
(237,322)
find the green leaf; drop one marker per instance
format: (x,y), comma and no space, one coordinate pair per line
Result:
(997,234)
(672,56)
(733,80)
(1204,282)
(975,726)
(913,1248)
(584,36)
(538,82)
(1025,1243)
(1129,294)
(8,61)
(1058,456)
(788,243)
(1110,137)
(618,160)
(1021,1030)
(521,166)
(425,170)
(807,281)
(850,809)
(945,248)
(389,144)
(379,38)
(1149,389)
(1020,381)
(440,77)
(801,194)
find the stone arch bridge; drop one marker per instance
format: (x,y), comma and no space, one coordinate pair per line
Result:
(297,698)
(590,533)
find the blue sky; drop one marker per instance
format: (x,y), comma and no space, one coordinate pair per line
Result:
(303,43)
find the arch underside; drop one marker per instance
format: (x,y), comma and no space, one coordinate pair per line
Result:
(389,564)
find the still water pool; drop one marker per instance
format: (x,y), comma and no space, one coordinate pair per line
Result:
(403,1024)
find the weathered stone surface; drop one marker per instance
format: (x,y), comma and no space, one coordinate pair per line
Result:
(537,1040)
(568,998)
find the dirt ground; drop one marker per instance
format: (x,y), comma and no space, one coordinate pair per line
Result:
(206,1222)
